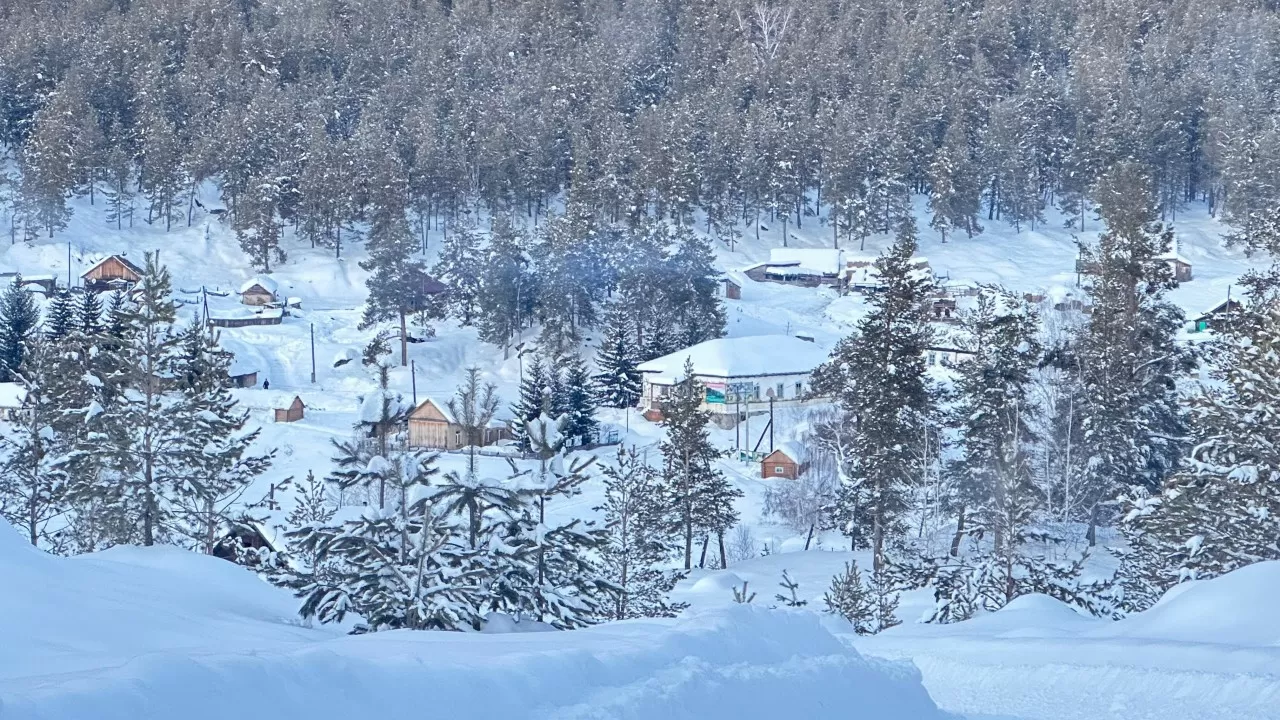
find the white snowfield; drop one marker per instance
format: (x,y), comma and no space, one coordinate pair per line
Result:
(1209,650)
(135,634)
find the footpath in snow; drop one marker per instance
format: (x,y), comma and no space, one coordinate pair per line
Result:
(134,634)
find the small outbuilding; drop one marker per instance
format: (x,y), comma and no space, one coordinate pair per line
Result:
(732,290)
(295,412)
(113,272)
(259,291)
(944,309)
(1217,315)
(789,461)
(246,541)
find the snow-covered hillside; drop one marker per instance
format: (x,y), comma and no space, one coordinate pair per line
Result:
(141,633)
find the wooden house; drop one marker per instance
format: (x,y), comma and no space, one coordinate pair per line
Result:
(293,413)
(244,379)
(946,356)
(259,291)
(1181,267)
(1217,315)
(113,272)
(788,461)
(432,425)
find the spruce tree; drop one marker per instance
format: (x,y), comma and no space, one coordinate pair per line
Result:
(701,498)
(579,401)
(505,299)
(88,314)
(878,377)
(1129,358)
(639,541)
(216,466)
(60,317)
(1221,511)
(994,417)
(40,445)
(397,284)
(618,382)
(461,267)
(533,400)
(19,318)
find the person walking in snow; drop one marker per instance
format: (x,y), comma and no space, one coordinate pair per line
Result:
(266,384)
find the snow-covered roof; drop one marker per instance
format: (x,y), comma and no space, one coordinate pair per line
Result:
(123,260)
(1173,256)
(740,357)
(12,395)
(371,407)
(441,407)
(796,451)
(828,261)
(265,283)
(240,312)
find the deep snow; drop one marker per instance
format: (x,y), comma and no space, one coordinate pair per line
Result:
(160,633)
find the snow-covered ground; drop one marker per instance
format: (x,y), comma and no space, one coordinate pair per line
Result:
(141,633)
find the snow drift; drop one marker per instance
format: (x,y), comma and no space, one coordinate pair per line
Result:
(157,633)
(1208,650)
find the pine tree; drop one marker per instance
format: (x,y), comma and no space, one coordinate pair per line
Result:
(994,416)
(1129,358)
(505,299)
(142,435)
(61,316)
(401,568)
(1222,510)
(700,496)
(19,318)
(40,445)
(579,401)
(568,587)
(639,541)
(461,267)
(397,285)
(216,466)
(88,315)
(534,400)
(878,376)
(619,381)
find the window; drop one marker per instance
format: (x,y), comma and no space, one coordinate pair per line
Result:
(799,389)
(780,390)
(777,469)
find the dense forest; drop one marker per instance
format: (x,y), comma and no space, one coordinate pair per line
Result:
(998,110)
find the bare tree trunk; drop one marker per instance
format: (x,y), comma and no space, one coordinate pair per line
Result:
(404,342)
(955,541)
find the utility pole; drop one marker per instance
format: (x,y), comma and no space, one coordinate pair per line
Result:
(770,424)
(68,267)
(313,353)
(413,376)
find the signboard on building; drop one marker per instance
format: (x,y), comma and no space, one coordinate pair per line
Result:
(742,392)
(715,393)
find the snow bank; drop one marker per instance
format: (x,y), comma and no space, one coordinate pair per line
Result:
(158,633)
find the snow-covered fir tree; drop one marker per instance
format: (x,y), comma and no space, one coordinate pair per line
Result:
(397,284)
(569,588)
(533,401)
(1221,511)
(462,268)
(1129,358)
(217,464)
(639,542)
(19,318)
(473,406)
(579,401)
(61,315)
(505,299)
(700,496)
(878,377)
(865,602)
(618,381)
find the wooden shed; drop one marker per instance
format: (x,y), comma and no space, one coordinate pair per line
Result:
(732,290)
(293,413)
(111,273)
(431,425)
(246,379)
(258,291)
(789,462)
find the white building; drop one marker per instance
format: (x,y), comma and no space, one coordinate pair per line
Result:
(735,372)
(817,262)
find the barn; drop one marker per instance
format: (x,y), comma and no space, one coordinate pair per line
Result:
(113,272)
(295,412)
(789,461)
(259,291)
